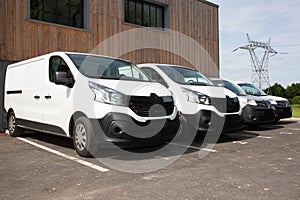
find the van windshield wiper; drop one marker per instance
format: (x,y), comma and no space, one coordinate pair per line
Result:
(201,84)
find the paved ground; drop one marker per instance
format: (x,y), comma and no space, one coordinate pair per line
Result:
(258,163)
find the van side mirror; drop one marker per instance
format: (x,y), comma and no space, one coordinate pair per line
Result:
(61,78)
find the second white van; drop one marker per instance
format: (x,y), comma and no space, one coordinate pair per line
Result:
(196,97)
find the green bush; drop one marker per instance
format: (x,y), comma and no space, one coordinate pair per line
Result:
(295,100)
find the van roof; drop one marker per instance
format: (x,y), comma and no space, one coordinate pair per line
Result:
(59,53)
(160,64)
(93,54)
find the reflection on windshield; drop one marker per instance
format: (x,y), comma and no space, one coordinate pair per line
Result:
(234,88)
(185,76)
(107,68)
(251,89)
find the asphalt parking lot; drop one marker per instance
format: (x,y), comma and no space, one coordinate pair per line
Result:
(257,163)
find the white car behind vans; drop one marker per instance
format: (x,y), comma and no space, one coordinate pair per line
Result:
(197,97)
(91,98)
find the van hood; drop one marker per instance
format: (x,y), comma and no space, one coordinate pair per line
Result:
(245,99)
(276,98)
(134,88)
(273,99)
(255,98)
(212,91)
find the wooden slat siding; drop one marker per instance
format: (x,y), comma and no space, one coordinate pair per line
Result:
(10,37)
(2,28)
(23,39)
(18,28)
(217,44)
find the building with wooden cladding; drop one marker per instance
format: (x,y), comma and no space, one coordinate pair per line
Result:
(34,27)
(30,28)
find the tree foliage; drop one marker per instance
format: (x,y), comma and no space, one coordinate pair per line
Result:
(295,100)
(292,92)
(276,90)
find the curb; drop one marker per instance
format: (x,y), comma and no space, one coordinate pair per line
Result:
(290,119)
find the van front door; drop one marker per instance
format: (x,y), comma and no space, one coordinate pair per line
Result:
(57,105)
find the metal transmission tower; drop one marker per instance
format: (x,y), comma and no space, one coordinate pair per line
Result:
(260,67)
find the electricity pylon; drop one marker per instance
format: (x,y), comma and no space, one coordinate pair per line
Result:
(260,70)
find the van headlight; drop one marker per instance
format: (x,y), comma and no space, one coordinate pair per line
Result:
(273,102)
(251,102)
(196,97)
(107,95)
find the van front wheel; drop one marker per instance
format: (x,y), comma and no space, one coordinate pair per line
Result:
(83,137)
(13,129)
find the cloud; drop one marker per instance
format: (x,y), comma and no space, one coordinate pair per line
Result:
(255,16)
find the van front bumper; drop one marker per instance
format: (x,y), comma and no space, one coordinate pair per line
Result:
(123,131)
(258,115)
(283,112)
(209,120)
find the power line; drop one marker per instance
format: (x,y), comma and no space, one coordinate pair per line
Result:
(260,66)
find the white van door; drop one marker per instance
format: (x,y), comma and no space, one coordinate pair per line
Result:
(57,98)
(34,74)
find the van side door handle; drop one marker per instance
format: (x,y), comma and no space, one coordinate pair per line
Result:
(37,97)
(47,97)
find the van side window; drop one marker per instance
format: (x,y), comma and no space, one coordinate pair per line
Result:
(154,75)
(57,64)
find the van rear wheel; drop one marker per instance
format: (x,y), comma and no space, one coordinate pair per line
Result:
(13,129)
(83,137)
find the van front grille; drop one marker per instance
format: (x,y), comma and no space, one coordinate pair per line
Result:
(262,103)
(282,104)
(228,105)
(153,106)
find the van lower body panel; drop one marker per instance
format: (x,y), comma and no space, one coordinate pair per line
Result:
(37,126)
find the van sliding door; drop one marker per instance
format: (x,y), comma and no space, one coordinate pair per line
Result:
(31,113)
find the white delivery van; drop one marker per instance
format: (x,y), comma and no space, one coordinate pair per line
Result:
(283,108)
(256,110)
(94,99)
(197,97)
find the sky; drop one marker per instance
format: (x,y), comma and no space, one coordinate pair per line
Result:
(261,19)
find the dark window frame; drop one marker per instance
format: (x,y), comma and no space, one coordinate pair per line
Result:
(158,8)
(63,67)
(81,21)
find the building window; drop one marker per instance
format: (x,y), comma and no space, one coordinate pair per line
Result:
(64,12)
(144,13)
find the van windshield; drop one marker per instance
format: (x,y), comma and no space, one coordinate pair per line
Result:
(107,68)
(185,76)
(234,88)
(251,89)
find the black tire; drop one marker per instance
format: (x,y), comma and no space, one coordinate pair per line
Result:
(13,128)
(83,140)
